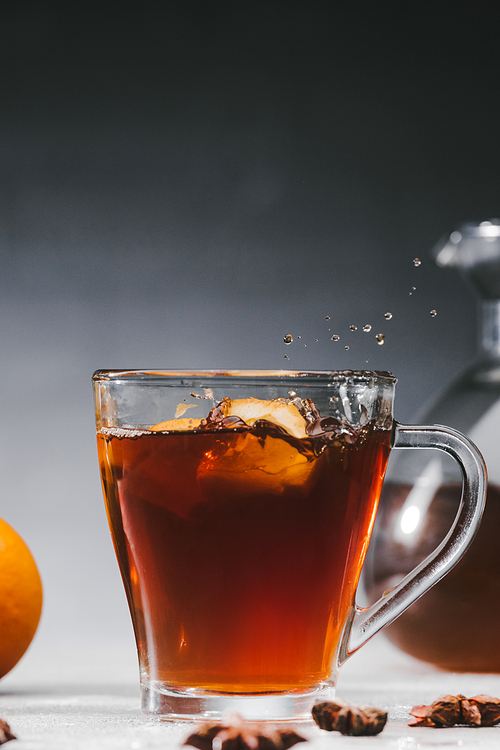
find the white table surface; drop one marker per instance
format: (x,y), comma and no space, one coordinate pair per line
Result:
(87,699)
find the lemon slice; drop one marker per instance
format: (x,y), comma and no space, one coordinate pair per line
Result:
(176,425)
(279,411)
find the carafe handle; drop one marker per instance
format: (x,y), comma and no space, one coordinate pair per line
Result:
(365,622)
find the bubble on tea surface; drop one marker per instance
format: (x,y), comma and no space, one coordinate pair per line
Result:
(288,338)
(433,313)
(388,316)
(380,337)
(353,328)
(335,337)
(367,328)
(417,262)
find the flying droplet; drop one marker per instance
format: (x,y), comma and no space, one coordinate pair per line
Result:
(286,356)
(433,313)
(380,338)
(414,288)
(288,338)
(353,328)
(417,262)
(292,393)
(316,340)
(388,316)
(299,337)
(346,346)
(327,317)
(367,328)
(335,337)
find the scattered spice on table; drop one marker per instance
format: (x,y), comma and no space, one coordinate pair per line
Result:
(450,710)
(340,716)
(235,733)
(5,733)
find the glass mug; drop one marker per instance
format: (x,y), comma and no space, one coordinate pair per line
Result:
(241,505)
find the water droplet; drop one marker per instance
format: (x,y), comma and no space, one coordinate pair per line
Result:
(414,288)
(327,317)
(333,399)
(346,347)
(299,337)
(380,338)
(292,393)
(433,313)
(286,356)
(455,237)
(335,337)
(388,316)
(353,328)
(195,395)
(288,338)
(367,328)
(316,340)
(417,262)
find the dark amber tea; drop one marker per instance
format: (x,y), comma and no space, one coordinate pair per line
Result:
(241,540)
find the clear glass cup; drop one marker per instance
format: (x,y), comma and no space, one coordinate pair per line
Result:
(241,506)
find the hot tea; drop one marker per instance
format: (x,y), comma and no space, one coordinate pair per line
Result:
(241,542)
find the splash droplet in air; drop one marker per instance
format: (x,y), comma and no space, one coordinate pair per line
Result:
(388,316)
(335,337)
(433,313)
(346,346)
(288,338)
(380,338)
(353,328)
(417,262)
(286,356)
(367,328)
(327,317)
(292,393)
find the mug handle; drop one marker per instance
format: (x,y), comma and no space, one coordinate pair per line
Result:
(365,622)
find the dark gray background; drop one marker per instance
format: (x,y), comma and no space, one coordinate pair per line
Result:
(182,184)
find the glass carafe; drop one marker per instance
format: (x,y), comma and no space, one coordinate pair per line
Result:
(456,625)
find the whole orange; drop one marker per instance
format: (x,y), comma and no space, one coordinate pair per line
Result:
(20,597)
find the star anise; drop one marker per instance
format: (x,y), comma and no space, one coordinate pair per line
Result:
(234,733)
(478,711)
(340,716)
(5,733)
